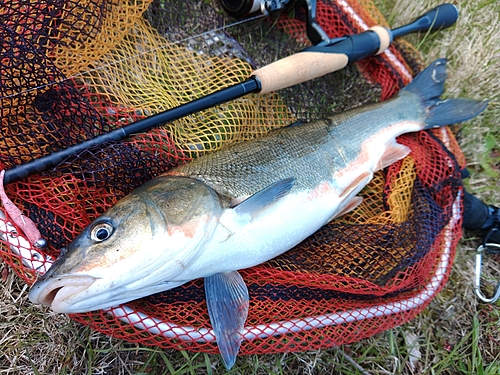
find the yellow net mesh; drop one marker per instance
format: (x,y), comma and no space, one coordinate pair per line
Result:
(151,74)
(89,30)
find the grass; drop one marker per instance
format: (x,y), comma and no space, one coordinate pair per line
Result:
(456,334)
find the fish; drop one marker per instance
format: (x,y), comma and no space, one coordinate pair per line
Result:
(239,207)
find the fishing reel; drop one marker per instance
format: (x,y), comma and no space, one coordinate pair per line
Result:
(244,8)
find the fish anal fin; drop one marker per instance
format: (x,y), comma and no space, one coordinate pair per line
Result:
(361,180)
(228,303)
(393,152)
(348,206)
(265,197)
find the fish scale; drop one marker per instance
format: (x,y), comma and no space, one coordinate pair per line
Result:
(310,152)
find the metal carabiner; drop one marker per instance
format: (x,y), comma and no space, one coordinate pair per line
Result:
(492,248)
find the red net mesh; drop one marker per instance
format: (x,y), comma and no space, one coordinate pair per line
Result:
(71,70)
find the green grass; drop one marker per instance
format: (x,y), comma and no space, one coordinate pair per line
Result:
(455,335)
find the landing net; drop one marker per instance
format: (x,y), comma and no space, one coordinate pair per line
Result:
(70,70)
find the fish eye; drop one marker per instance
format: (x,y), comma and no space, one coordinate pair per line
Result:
(101,231)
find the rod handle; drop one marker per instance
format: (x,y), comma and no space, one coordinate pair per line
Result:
(322,59)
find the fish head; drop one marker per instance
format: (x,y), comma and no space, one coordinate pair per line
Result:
(138,247)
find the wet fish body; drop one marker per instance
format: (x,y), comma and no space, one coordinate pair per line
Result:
(240,207)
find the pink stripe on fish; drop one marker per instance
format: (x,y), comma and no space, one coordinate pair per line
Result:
(384,140)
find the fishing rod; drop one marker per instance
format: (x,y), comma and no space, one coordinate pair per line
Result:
(310,63)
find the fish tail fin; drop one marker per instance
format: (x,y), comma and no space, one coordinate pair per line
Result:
(453,111)
(429,85)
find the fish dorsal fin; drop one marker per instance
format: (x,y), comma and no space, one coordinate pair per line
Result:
(227,303)
(266,197)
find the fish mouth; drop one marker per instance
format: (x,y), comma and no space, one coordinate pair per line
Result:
(57,292)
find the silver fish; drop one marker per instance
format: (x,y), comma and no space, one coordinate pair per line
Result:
(240,207)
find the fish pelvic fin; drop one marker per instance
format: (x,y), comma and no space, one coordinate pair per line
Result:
(228,302)
(429,86)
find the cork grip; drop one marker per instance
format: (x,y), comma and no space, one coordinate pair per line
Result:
(307,65)
(384,37)
(301,67)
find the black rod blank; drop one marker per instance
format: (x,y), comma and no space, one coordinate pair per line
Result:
(50,161)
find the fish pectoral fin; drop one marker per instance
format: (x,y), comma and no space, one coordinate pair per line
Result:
(227,301)
(393,152)
(265,198)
